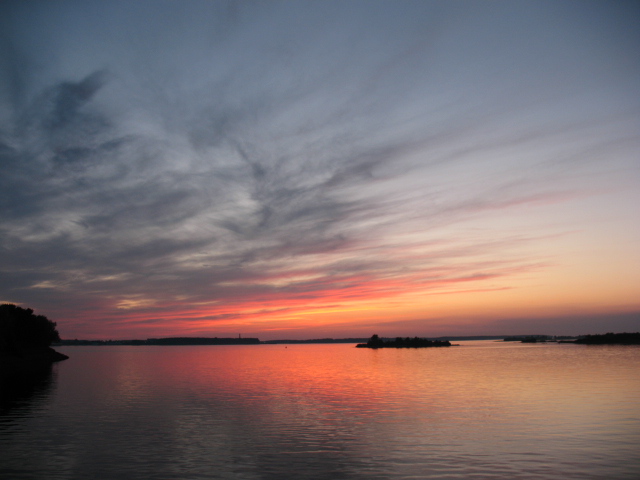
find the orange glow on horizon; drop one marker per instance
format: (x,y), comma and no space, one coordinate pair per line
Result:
(358,303)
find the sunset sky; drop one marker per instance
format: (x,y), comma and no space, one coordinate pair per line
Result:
(306,169)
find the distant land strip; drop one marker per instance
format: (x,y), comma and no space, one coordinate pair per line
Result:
(249,341)
(611,339)
(166,341)
(598,339)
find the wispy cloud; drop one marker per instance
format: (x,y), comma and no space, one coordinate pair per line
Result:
(178,168)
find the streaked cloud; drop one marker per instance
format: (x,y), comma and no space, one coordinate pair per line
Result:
(219,165)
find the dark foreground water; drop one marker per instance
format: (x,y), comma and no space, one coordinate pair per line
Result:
(481,410)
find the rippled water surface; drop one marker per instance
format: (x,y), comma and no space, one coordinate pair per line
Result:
(481,410)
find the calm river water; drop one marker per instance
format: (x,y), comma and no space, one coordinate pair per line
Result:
(481,410)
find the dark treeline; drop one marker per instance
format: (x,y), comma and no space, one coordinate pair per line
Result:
(25,339)
(365,339)
(21,329)
(166,341)
(202,341)
(611,339)
(317,340)
(399,342)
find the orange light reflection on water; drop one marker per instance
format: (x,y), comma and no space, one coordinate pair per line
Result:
(307,379)
(480,400)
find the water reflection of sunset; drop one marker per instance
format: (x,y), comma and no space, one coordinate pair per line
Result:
(463,409)
(317,377)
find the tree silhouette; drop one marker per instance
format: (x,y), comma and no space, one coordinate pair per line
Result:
(21,329)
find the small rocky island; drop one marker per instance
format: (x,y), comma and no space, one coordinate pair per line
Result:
(25,340)
(399,342)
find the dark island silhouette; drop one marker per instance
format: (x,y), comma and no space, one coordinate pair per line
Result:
(610,339)
(25,340)
(399,342)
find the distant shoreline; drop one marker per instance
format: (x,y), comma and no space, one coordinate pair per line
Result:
(247,341)
(597,339)
(162,341)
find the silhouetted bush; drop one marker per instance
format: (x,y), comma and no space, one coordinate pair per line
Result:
(21,329)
